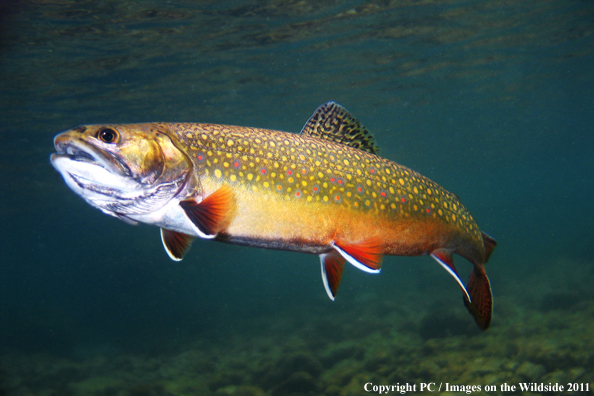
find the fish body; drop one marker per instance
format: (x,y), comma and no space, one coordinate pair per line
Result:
(324,191)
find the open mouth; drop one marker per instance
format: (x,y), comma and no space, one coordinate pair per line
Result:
(74,152)
(87,152)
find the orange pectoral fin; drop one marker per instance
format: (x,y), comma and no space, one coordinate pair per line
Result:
(366,255)
(176,244)
(332,268)
(209,214)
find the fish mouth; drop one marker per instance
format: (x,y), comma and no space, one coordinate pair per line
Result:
(73,153)
(87,152)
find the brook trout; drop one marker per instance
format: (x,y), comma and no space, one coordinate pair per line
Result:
(324,191)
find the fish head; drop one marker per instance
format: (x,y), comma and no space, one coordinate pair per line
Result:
(123,170)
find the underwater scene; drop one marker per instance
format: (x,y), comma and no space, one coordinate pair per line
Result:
(492,100)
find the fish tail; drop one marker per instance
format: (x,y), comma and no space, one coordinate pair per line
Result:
(481,304)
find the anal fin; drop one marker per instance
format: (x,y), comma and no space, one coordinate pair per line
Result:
(176,244)
(209,214)
(444,258)
(332,268)
(365,255)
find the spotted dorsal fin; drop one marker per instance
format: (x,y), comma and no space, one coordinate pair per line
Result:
(333,122)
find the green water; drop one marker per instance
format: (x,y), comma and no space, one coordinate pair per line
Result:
(492,100)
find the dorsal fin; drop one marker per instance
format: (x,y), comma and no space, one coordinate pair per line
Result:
(333,122)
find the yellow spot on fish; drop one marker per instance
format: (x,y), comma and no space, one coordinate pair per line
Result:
(230,142)
(325,198)
(401,181)
(250,176)
(233,178)
(218,173)
(429,191)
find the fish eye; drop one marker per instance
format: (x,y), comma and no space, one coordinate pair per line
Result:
(108,135)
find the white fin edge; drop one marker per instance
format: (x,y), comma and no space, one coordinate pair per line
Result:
(171,256)
(325,277)
(201,234)
(447,268)
(354,262)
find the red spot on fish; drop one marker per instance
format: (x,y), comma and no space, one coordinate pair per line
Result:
(279,187)
(427,210)
(332,179)
(337,198)
(236,164)
(403,199)
(372,170)
(383,194)
(289,172)
(315,189)
(360,189)
(200,157)
(298,193)
(263,171)
(340,181)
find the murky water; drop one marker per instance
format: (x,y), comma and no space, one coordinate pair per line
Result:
(492,100)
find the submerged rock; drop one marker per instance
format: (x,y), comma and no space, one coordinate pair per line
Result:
(298,383)
(300,362)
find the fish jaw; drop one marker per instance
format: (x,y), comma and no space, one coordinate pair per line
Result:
(135,176)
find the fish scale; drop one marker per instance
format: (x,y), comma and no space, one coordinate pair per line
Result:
(318,171)
(324,191)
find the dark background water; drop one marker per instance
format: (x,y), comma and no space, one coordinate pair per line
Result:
(492,100)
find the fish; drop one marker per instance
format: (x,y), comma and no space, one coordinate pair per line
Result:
(323,191)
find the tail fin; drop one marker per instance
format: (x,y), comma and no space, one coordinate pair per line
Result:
(479,288)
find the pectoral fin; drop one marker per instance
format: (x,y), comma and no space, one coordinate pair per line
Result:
(176,244)
(332,267)
(366,255)
(209,214)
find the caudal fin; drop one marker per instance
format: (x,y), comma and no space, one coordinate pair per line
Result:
(481,304)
